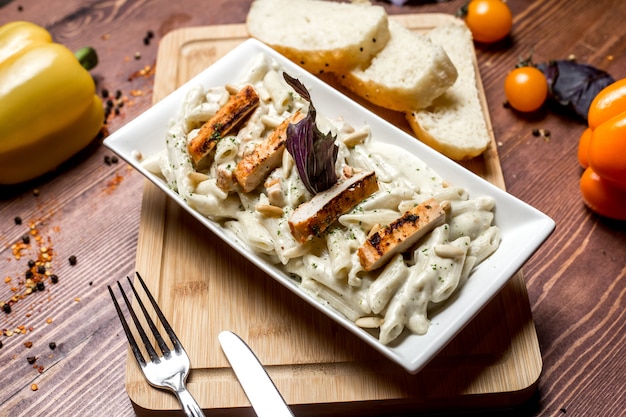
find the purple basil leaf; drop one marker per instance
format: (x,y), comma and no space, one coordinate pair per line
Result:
(314,153)
(573,86)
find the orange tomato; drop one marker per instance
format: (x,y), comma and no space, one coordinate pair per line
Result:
(526,88)
(488,20)
(583,147)
(602,196)
(608,103)
(607,150)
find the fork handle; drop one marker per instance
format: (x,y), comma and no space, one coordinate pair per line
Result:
(189,404)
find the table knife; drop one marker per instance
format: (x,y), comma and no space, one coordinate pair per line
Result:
(263,395)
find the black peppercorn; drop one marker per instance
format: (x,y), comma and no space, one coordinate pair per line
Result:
(31,359)
(6,308)
(18,220)
(26,239)
(52,345)
(40,286)
(72,260)
(28,274)
(41,269)
(54,278)
(31,263)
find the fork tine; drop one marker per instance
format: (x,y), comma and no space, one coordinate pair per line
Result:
(157,335)
(131,339)
(144,337)
(166,325)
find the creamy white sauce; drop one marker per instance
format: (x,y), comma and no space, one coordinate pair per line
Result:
(399,293)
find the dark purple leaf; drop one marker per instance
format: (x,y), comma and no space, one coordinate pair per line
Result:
(573,86)
(314,153)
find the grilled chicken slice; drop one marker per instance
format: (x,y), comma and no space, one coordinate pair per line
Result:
(225,119)
(316,215)
(401,234)
(254,167)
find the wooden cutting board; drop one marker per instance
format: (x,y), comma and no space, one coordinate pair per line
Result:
(320,368)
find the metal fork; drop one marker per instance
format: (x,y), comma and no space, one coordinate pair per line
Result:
(169,370)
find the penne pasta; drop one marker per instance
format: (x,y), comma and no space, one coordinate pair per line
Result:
(248,184)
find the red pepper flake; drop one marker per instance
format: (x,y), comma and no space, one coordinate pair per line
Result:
(114,183)
(28,345)
(145,72)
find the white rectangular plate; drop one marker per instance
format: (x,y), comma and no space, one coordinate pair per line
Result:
(523,228)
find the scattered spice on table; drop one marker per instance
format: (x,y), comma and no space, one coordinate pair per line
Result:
(148,37)
(145,72)
(110,160)
(114,182)
(544,133)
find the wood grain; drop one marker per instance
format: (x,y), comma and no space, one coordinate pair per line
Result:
(576,282)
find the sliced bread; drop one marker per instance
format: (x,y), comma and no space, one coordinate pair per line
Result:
(454,124)
(320,36)
(407,74)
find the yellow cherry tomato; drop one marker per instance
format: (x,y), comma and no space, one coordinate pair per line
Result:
(526,88)
(488,20)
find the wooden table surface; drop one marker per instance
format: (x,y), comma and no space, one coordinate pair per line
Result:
(90,209)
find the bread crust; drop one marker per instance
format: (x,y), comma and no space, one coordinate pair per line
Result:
(320,36)
(406,75)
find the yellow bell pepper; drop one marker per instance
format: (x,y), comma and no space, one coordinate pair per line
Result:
(48,107)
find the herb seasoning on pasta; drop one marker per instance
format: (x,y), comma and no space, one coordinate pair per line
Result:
(365,226)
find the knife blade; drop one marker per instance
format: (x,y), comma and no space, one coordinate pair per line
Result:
(263,395)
